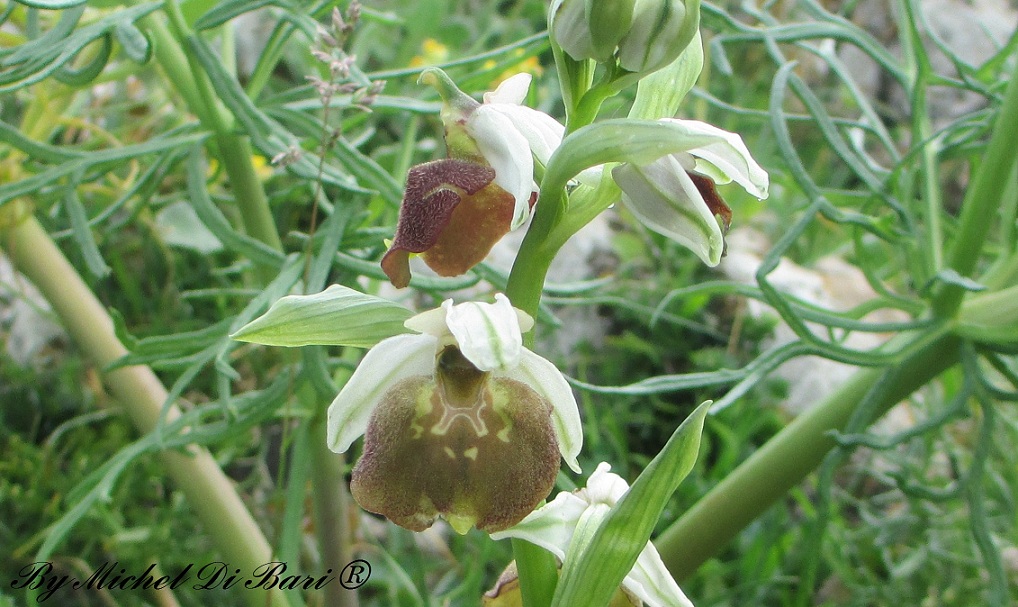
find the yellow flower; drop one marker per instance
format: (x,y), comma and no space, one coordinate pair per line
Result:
(530,65)
(433,52)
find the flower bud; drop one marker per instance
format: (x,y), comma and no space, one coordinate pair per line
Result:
(643,35)
(589,29)
(660,31)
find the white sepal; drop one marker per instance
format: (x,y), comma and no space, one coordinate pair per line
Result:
(391,361)
(726,159)
(545,379)
(508,153)
(550,526)
(665,199)
(651,581)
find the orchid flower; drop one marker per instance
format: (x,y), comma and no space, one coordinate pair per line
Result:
(460,420)
(675,196)
(455,209)
(555,526)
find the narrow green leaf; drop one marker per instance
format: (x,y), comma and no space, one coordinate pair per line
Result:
(41,151)
(337,316)
(51,5)
(134,42)
(216,222)
(83,235)
(592,577)
(91,161)
(950,276)
(78,76)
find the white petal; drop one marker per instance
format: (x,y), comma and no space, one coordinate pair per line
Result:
(431,322)
(665,200)
(392,360)
(730,158)
(508,152)
(548,381)
(512,90)
(604,486)
(488,334)
(542,132)
(651,581)
(551,526)
(526,320)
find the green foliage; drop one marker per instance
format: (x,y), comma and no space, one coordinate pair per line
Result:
(115,118)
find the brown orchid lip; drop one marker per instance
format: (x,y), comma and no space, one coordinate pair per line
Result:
(486,465)
(433,191)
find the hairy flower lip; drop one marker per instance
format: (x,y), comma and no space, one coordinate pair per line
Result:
(434,191)
(460,420)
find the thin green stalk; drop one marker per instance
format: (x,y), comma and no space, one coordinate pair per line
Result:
(331,512)
(209,492)
(785,460)
(979,208)
(234,151)
(922,129)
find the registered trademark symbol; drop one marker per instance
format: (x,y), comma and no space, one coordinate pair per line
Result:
(355,574)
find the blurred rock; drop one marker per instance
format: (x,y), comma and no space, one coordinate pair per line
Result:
(25,316)
(832,284)
(973,30)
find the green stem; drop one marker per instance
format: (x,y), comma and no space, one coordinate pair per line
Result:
(785,460)
(982,199)
(588,107)
(194,471)
(538,573)
(331,513)
(234,151)
(526,280)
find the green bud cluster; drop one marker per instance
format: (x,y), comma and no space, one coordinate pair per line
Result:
(641,36)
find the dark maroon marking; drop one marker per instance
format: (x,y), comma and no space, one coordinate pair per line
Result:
(714,201)
(427,208)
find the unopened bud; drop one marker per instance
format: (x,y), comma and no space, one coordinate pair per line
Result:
(643,35)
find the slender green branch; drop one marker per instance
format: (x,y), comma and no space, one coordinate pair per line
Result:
(785,460)
(234,151)
(979,208)
(331,513)
(209,492)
